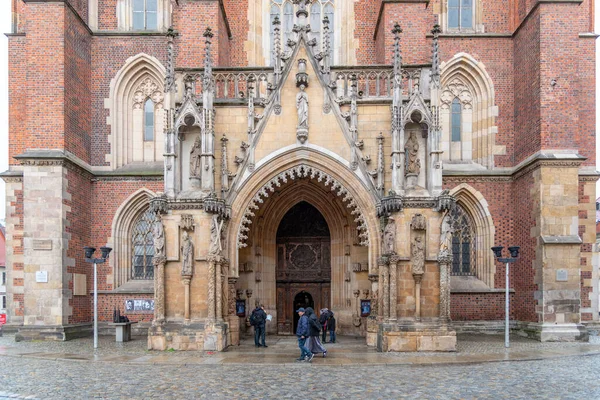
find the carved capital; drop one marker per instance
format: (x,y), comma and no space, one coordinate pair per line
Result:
(418,278)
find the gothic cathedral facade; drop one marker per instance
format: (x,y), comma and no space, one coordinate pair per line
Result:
(357,155)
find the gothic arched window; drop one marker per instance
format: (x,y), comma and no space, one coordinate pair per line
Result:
(148,120)
(463,242)
(142,247)
(456,120)
(145,15)
(285,10)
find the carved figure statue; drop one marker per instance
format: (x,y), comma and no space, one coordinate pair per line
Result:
(187,251)
(215,236)
(413,164)
(418,256)
(389,237)
(158,234)
(302,105)
(195,157)
(446,238)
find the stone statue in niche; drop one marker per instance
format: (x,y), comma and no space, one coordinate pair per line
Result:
(216,227)
(158,235)
(446,238)
(187,251)
(389,237)
(302,105)
(413,164)
(195,157)
(418,255)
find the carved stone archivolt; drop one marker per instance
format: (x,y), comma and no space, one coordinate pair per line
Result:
(299,172)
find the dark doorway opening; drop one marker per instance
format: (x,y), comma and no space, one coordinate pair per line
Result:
(303,270)
(302,299)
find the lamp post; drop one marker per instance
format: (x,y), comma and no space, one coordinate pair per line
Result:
(514,254)
(89,257)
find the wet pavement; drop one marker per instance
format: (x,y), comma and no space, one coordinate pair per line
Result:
(481,368)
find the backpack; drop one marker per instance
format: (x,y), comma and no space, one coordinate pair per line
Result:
(256,318)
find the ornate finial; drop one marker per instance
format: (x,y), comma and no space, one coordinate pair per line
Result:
(397,53)
(326,47)
(397,30)
(435,64)
(276,20)
(208,33)
(170,76)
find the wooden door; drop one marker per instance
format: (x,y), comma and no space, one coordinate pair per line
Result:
(303,278)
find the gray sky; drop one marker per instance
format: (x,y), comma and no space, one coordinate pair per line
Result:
(5,6)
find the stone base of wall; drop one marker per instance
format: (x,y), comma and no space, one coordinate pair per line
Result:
(479,327)
(11,328)
(56,333)
(234,331)
(593,328)
(415,336)
(372,330)
(188,337)
(553,332)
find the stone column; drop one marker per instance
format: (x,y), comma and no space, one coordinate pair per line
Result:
(381,262)
(232,296)
(386,291)
(211,288)
(418,278)
(186,279)
(393,287)
(219,290)
(159,289)
(445,261)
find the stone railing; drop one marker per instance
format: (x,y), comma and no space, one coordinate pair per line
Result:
(231,84)
(376,82)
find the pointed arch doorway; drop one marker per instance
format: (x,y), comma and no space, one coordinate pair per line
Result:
(303,273)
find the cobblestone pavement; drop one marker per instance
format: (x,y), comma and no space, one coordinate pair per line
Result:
(69,370)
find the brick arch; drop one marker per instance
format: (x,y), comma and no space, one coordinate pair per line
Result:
(310,164)
(123,220)
(475,205)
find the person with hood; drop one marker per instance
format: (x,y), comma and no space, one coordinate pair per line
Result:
(314,328)
(302,332)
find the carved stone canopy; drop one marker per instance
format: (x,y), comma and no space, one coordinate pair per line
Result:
(187,222)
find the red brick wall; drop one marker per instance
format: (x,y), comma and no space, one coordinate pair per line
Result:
(107,197)
(237,16)
(366,13)
(523,272)
(80,7)
(45,75)
(17,97)
(224,42)
(77,97)
(17,250)
(108,302)
(78,230)
(586,138)
(478,306)
(109,54)
(191,20)
(107,15)
(527,88)
(497,56)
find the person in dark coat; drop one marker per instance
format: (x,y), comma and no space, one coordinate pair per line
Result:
(302,332)
(258,319)
(331,327)
(323,318)
(314,328)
